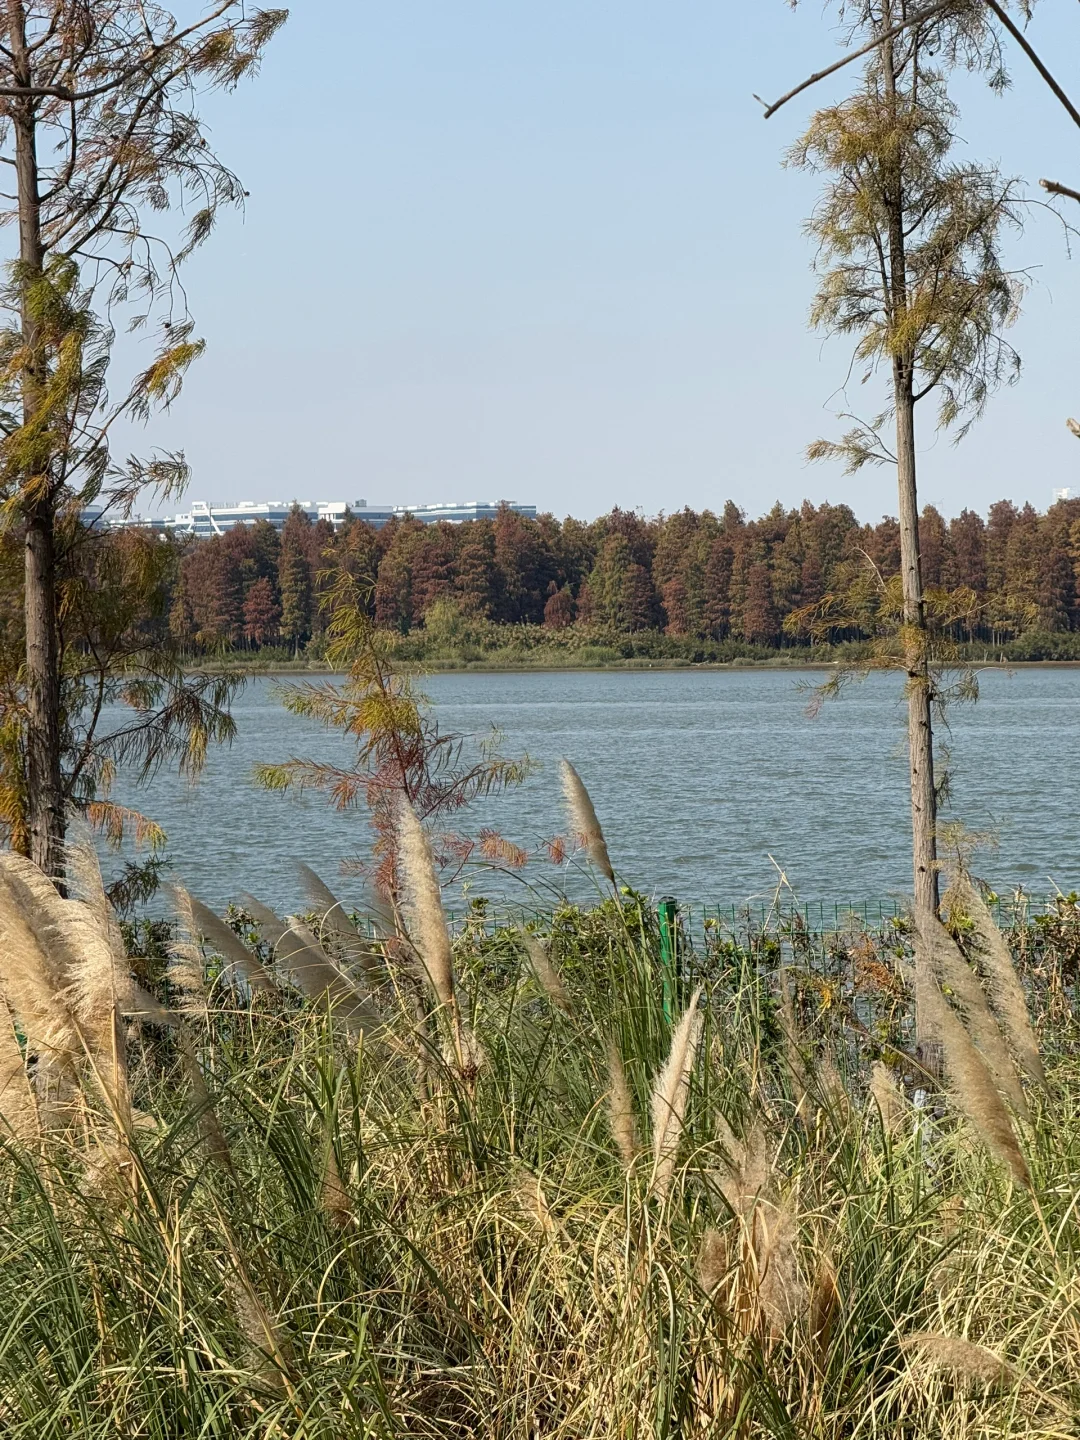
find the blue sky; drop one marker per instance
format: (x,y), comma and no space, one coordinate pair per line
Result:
(548,252)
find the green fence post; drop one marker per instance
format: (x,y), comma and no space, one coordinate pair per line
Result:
(667,912)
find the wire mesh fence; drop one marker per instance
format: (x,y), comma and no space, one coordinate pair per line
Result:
(818,917)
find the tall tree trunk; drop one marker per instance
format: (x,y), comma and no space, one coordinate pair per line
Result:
(916,657)
(45,799)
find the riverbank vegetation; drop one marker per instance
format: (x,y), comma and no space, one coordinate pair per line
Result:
(690,587)
(324,1178)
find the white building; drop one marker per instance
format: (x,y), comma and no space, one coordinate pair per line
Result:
(205,520)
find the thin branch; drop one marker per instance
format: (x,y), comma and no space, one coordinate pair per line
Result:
(1020,38)
(1057,189)
(916,19)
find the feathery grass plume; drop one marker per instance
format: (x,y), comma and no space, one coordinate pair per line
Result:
(961,1359)
(82,872)
(334,1198)
(747,1171)
(18,1105)
(946,963)
(332,917)
(621,1109)
(1006,992)
(186,972)
(270,1351)
(31,982)
(210,1131)
(430,936)
(712,1263)
(534,1204)
(888,1098)
(240,960)
(544,970)
(73,951)
(824,1304)
(781,1292)
(271,925)
(315,975)
(670,1093)
(583,821)
(971,1086)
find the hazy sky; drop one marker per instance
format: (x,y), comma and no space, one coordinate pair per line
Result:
(548,253)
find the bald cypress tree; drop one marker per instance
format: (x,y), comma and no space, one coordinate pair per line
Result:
(910,269)
(99,132)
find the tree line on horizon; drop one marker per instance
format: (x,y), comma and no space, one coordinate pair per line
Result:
(697,574)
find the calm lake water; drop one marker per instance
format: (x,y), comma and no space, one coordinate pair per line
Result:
(697,777)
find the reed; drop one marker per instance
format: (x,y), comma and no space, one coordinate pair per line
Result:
(949,968)
(240,962)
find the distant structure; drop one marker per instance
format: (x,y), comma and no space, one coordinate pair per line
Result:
(205,521)
(1061,494)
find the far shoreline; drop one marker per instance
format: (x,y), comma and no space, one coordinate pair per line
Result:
(309,668)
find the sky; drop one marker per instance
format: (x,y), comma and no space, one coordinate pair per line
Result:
(548,252)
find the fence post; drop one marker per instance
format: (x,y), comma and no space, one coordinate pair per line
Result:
(667,912)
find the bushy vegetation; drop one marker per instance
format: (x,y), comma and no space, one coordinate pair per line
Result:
(517,1186)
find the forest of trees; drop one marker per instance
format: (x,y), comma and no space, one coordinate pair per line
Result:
(719,577)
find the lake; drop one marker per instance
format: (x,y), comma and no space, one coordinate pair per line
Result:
(698,777)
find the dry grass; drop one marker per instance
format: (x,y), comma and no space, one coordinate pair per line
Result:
(299,1242)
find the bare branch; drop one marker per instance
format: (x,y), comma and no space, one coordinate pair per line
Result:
(1055,188)
(917,19)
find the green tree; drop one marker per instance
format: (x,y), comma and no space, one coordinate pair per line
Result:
(100,130)
(910,266)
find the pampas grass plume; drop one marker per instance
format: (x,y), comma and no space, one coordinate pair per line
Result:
(544,970)
(18,1105)
(888,1098)
(962,1359)
(948,965)
(333,918)
(621,1109)
(670,1093)
(583,820)
(431,937)
(971,1085)
(1006,992)
(186,971)
(230,947)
